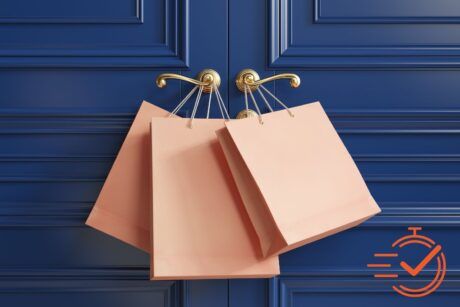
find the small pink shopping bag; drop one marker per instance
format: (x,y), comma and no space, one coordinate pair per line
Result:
(296,178)
(200,229)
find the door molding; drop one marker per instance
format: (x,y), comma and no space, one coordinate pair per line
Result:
(283,53)
(170,50)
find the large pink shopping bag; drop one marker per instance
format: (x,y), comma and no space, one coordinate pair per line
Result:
(296,178)
(200,228)
(122,209)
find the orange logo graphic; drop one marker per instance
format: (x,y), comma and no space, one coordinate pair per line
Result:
(395,262)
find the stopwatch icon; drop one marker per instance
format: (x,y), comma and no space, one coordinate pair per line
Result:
(432,253)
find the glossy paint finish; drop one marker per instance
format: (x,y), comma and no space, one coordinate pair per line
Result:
(72,77)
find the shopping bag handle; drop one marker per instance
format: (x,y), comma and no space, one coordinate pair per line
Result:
(259,114)
(209,82)
(248,81)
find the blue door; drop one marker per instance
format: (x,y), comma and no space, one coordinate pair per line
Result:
(387,73)
(73,74)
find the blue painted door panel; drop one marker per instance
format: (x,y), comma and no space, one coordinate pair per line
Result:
(126,33)
(72,75)
(84,11)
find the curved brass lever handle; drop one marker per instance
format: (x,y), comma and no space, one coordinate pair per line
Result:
(251,78)
(206,78)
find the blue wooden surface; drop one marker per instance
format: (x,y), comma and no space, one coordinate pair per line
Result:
(72,78)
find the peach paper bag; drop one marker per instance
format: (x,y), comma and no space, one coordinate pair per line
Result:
(296,178)
(200,229)
(122,209)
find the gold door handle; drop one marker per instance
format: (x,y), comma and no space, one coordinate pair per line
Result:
(206,78)
(250,78)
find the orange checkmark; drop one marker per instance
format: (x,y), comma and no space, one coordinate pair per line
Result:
(422,264)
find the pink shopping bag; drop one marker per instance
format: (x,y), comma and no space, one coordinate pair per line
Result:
(296,178)
(122,209)
(200,228)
